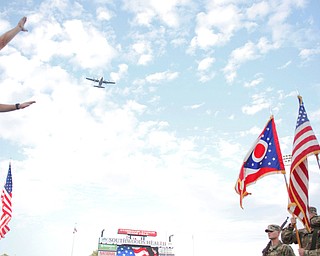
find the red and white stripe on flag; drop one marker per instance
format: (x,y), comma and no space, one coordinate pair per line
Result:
(6,197)
(305,144)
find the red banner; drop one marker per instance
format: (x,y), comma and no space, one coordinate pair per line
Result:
(133,232)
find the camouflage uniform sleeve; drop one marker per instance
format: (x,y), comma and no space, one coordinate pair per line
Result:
(288,236)
(312,252)
(288,251)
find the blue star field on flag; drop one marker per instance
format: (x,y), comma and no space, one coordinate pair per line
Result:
(264,153)
(125,251)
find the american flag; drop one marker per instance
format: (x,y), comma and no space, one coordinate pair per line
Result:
(125,250)
(6,205)
(263,158)
(305,144)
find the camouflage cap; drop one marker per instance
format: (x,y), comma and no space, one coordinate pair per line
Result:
(272,228)
(313,209)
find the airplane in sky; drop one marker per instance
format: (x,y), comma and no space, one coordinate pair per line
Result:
(100,81)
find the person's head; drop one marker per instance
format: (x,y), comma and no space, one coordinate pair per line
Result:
(312,211)
(273,231)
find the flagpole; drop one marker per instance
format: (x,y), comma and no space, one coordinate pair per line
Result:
(192,245)
(295,225)
(304,144)
(74,234)
(72,244)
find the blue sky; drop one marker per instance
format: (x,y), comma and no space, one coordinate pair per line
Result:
(196,82)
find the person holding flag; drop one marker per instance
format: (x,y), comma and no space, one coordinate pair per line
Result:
(305,144)
(310,241)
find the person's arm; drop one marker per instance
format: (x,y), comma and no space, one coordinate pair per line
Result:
(303,252)
(12,107)
(288,235)
(9,35)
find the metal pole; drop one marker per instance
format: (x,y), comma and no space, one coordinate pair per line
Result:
(74,234)
(192,245)
(72,244)
(169,247)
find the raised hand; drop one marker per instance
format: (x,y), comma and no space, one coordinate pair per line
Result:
(21,24)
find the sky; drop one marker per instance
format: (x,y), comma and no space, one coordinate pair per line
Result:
(161,149)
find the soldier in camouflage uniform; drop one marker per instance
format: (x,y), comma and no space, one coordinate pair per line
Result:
(310,241)
(277,248)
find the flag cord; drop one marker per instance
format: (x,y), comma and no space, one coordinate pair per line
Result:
(292,215)
(318,161)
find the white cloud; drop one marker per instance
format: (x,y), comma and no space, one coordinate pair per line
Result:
(165,11)
(238,57)
(122,71)
(264,46)
(259,10)
(205,63)
(195,106)
(307,53)
(86,46)
(241,55)
(258,103)
(231,117)
(216,27)
(143,51)
(104,14)
(227,148)
(79,43)
(204,69)
(254,82)
(278,20)
(5,25)
(285,65)
(156,78)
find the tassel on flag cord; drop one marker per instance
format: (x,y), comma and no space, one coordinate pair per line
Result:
(6,203)
(305,144)
(263,158)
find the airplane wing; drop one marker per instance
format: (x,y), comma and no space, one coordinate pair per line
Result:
(91,79)
(108,82)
